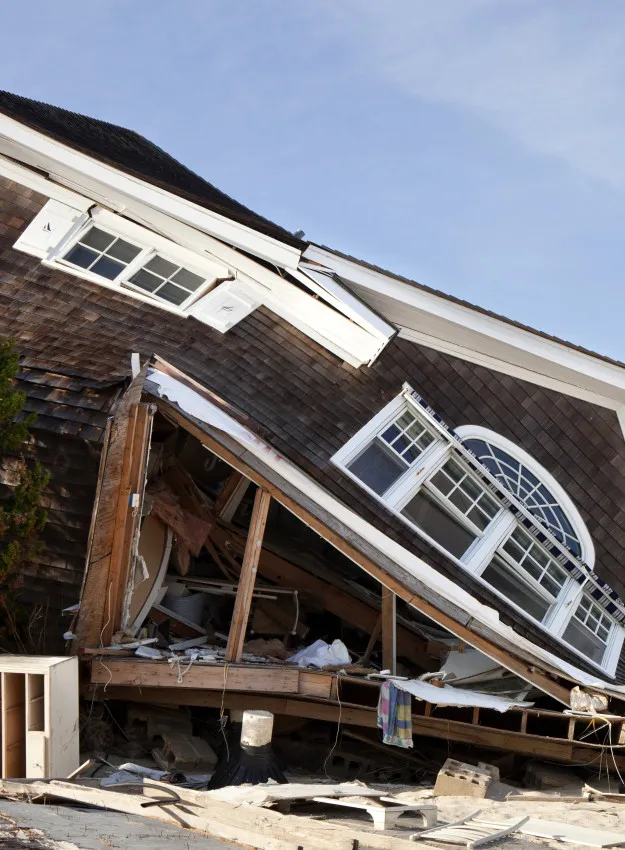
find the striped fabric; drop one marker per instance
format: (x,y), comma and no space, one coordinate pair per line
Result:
(395,716)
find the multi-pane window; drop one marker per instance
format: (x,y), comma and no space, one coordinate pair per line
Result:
(102,253)
(525,573)
(521,481)
(589,629)
(133,267)
(535,561)
(392,452)
(422,474)
(452,507)
(166,280)
(465,493)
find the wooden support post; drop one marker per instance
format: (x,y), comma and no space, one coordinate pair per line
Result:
(475,718)
(389,630)
(375,636)
(247,578)
(230,497)
(524,722)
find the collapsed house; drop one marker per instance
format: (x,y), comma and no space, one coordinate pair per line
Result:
(257,444)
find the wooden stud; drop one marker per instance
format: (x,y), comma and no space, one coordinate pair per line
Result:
(247,579)
(475,718)
(571,731)
(524,722)
(230,497)
(336,600)
(389,631)
(375,635)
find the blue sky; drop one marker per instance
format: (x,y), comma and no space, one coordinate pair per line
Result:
(477,146)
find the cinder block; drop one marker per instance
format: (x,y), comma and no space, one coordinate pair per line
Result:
(456,779)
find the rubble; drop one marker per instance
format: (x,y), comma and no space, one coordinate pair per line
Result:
(456,779)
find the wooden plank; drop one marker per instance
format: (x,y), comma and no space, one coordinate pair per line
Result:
(13,724)
(99,595)
(230,497)
(250,826)
(62,725)
(373,639)
(466,628)
(558,749)
(247,578)
(315,684)
(218,677)
(334,599)
(389,630)
(36,755)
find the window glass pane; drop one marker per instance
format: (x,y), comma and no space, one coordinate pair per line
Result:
(425,512)
(107,268)
(500,576)
(478,518)
(187,279)
(588,644)
(462,502)
(173,293)
(146,280)
(123,251)
(442,482)
(80,256)
(160,266)
(97,239)
(378,467)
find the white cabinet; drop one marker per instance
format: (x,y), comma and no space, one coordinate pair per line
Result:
(39,710)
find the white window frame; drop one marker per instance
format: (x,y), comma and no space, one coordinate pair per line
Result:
(151,245)
(490,541)
(468,432)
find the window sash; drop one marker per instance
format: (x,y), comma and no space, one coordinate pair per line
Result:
(147,253)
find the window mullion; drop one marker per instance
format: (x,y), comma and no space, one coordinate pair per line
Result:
(481,553)
(412,479)
(139,261)
(565,607)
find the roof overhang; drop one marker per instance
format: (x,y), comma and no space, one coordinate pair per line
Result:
(447,325)
(407,575)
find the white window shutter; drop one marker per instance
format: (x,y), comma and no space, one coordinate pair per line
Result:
(225,306)
(48,228)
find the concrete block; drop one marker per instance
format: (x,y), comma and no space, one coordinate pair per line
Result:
(456,779)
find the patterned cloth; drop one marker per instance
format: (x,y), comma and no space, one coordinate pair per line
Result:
(395,716)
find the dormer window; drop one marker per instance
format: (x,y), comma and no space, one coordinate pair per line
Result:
(135,267)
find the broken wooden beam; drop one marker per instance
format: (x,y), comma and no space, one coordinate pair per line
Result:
(247,578)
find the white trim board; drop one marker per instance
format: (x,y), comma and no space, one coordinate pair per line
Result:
(443,324)
(17,139)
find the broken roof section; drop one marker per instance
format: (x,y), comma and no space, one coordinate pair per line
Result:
(399,570)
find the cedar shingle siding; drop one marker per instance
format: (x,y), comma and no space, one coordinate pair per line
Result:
(311,402)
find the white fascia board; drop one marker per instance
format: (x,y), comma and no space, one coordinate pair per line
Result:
(200,408)
(588,369)
(339,295)
(41,184)
(35,148)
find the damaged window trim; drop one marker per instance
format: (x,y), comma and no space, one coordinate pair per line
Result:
(478,556)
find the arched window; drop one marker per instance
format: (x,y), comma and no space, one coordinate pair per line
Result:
(519,473)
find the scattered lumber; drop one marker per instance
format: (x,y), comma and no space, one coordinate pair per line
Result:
(183,807)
